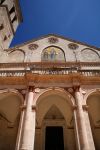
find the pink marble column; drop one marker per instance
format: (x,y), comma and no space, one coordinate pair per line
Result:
(80,120)
(28,136)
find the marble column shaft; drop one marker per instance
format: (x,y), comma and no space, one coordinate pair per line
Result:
(81,122)
(27,142)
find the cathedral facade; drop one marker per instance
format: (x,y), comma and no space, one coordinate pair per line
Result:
(49,94)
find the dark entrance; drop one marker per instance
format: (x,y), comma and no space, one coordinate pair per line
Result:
(54,138)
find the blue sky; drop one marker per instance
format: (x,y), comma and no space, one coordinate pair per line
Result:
(75,19)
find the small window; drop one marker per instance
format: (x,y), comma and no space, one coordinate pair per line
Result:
(14,19)
(12,10)
(53,53)
(1,26)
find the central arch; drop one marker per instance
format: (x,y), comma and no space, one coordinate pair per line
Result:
(54,114)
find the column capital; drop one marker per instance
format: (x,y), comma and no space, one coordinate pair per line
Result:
(31,88)
(76,88)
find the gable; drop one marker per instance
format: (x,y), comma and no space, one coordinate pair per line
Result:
(65,50)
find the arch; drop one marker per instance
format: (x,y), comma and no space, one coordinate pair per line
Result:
(54,108)
(90,92)
(10,101)
(90,55)
(58,93)
(14,91)
(93,101)
(16,55)
(53,54)
(46,92)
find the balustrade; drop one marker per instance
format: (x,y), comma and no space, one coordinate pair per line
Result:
(48,69)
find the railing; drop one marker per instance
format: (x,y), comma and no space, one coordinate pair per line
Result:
(49,71)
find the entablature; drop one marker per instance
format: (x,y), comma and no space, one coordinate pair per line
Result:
(42,74)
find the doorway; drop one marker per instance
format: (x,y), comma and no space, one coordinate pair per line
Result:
(54,138)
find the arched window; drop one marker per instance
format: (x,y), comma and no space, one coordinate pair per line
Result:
(53,53)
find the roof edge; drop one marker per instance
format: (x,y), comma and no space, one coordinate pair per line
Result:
(55,35)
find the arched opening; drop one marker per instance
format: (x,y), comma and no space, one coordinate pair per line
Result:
(54,123)
(90,55)
(93,102)
(53,54)
(17,55)
(9,119)
(54,136)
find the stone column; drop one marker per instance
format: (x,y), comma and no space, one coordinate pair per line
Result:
(80,121)
(27,141)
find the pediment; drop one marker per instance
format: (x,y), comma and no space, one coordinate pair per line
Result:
(31,51)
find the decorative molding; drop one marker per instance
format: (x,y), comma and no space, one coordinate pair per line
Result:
(37,90)
(23,107)
(33,46)
(52,40)
(85,107)
(73,46)
(83,92)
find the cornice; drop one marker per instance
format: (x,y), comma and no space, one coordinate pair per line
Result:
(57,36)
(49,64)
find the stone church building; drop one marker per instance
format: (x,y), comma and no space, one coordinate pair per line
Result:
(49,90)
